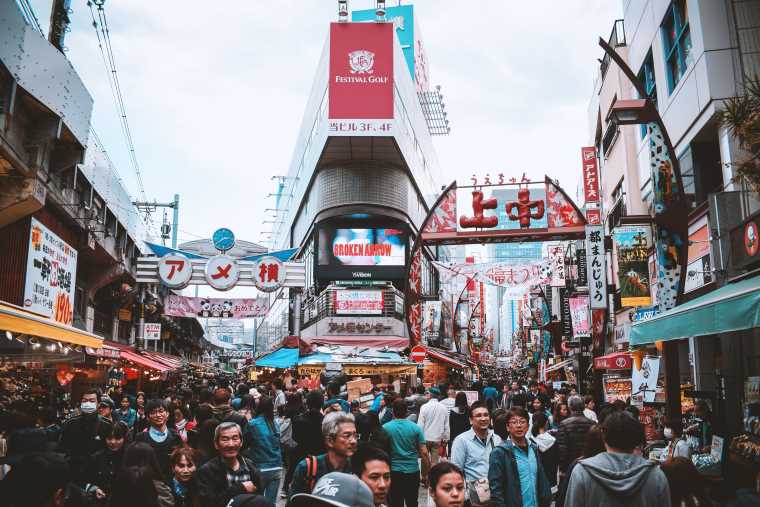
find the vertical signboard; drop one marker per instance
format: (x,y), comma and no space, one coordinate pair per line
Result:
(360,79)
(51,274)
(632,244)
(564,303)
(590,174)
(579,316)
(556,254)
(431,320)
(597,270)
(582,267)
(698,264)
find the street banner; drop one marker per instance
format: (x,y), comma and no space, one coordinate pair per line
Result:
(181,306)
(567,322)
(580,257)
(632,244)
(597,270)
(556,254)
(431,320)
(515,278)
(51,275)
(359,302)
(590,174)
(580,316)
(361,79)
(645,380)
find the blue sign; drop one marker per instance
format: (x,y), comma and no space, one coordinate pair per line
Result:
(223,239)
(402,17)
(645,313)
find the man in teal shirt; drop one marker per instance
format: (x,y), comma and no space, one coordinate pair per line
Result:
(407,446)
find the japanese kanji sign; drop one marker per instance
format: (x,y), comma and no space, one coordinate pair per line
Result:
(590,174)
(175,271)
(596,265)
(181,306)
(51,274)
(222,272)
(268,274)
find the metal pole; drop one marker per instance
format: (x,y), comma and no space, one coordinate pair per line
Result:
(175,221)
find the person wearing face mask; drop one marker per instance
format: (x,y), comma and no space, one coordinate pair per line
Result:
(85,434)
(677,446)
(101,470)
(158,435)
(184,461)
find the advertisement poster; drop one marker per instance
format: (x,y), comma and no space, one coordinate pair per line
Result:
(556,253)
(51,274)
(590,174)
(645,380)
(632,244)
(431,319)
(597,266)
(616,388)
(579,315)
(698,263)
(361,78)
(362,247)
(181,306)
(359,302)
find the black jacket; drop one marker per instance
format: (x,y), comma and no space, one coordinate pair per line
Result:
(571,438)
(81,438)
(307,432)
(163,449)
(101,470)
(213,488)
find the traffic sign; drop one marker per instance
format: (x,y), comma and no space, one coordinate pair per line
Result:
(418,353)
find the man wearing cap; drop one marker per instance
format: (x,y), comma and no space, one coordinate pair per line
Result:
(105,408)
(339,432)
(434,423)
(336,489)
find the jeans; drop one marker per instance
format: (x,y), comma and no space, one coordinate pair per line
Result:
(270,482)
(404,488)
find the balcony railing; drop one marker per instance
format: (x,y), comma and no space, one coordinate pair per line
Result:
(323,306)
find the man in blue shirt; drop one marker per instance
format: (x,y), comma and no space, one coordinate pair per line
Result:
(471,450)
(515,473)
(407,446)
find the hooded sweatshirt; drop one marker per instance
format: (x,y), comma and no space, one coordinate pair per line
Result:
(544,441)
(617,479)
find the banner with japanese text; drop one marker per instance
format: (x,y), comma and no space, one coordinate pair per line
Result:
(51,274)
(181,306)
(358,302)
(431,320)
(515,278)
(590,174)
(632,244)
(579,315)
(596,266)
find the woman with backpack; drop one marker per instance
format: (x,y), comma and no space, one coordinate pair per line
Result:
(262,442)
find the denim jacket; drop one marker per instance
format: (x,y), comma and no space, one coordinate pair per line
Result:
(263,444)
(504,479)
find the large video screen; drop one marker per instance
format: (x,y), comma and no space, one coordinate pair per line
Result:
(362,247)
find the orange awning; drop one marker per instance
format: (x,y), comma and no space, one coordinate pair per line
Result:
(17,320)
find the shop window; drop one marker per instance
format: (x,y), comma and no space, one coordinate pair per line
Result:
(646,76)
(676,41)
(609,137)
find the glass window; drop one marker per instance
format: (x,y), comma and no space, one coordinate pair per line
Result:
(646,76)
(686,163)
(677,41)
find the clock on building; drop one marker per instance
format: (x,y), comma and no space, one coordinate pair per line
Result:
(223,239)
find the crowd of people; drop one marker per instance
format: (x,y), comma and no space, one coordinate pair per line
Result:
(518,444)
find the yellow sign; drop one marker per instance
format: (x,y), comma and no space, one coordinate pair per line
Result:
(310,369)
(363,369)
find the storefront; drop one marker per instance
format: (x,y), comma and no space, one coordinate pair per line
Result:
(442,367)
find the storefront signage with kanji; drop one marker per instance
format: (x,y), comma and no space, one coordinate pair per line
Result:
(175,270)
(222,272)
(590,175)
(268,274)
(597,270)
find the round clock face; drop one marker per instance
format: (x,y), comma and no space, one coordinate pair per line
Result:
(223,239)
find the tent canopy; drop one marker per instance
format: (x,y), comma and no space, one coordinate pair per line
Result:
(280,358)
(733,307)
(366,357)
(20,321)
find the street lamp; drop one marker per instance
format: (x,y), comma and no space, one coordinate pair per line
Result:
(342,11)
(380,11)
(632,112)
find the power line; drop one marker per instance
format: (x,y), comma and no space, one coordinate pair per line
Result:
(109,60)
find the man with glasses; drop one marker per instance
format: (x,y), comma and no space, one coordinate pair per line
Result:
(158,435)
(229,474)
(515,473)
(339,432)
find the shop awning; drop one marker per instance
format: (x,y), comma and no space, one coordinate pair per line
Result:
(616,361)
(128,354)
(17,320)
(445,358)
(173,362)
(280,358)
(345,357)
(392,342)
(733,307)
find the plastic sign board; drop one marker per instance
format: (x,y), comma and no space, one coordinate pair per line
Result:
(361,79)
(596,266)
(175,271)
(151,331)
(632,244)
(222,272)
(268,274)
(358,302)
(590,174)
(51,275)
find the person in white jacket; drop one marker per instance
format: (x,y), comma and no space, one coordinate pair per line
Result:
(545,441)
(434,423)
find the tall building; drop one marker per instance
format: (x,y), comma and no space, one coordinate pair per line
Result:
(362,177)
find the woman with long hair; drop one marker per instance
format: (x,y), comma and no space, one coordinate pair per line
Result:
(262,442)
(102,468)
(561,412)
(594,445)
(141,455)
(459,417)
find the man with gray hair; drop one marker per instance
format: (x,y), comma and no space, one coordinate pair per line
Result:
(339,432)
(572,432)
(230,473)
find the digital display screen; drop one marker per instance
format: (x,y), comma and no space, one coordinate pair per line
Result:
(362,247)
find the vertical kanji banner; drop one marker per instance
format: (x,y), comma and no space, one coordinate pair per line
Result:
(590,174)
(596,263)
(361,71)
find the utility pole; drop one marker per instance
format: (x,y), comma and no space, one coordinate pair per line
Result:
(150,207)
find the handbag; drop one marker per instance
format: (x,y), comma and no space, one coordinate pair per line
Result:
(479,492)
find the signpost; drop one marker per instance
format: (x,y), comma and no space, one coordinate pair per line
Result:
(418,353)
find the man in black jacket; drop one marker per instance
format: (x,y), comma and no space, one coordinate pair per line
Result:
(230,473)
(159,436)
(85,434)
(572,432)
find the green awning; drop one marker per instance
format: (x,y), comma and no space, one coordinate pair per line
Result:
(733,307)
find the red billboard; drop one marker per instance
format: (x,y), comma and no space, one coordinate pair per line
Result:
(590,174)
(361,71)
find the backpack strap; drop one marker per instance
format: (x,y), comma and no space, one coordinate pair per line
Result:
(311,472)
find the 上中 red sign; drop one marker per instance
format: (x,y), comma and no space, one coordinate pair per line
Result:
(418,353)
(590,174)
(361,71)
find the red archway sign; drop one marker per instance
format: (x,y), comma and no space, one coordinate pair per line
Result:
(418,353)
